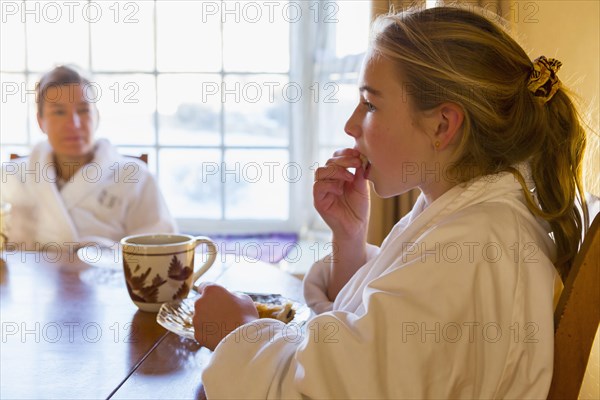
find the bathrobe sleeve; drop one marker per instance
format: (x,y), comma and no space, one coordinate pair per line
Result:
(464,314)
(316,282)
(148,212)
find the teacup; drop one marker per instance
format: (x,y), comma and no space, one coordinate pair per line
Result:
(160,267)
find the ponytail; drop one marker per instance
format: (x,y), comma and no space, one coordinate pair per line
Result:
(557,170)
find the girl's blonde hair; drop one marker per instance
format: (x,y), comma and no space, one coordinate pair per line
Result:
(449,54)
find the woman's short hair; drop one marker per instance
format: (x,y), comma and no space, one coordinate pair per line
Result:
(60,76)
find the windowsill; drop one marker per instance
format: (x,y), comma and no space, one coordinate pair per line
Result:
(294,254)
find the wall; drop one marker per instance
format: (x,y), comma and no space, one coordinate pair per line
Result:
(570,31)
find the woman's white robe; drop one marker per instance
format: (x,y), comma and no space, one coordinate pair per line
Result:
(109,198)
(457,303)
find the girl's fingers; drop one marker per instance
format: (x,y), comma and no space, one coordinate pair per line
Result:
(337,166)
(333,172)
(322,188)
(202,285)
(346,152)
(345,161)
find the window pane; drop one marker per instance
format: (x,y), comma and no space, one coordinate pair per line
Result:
(13,109)
(123,36)
(189,109)
(190,180)
(352,19)
(256,35)
(35,133)
(181,23)
(333,116)
(12,38)
(57,33)
(126,104)
(257,184)
(257,109)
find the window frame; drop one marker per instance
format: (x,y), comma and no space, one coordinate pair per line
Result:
(298,148)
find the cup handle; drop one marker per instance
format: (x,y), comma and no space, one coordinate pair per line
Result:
(212,256)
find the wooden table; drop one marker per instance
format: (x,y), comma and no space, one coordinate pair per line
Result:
(69,330)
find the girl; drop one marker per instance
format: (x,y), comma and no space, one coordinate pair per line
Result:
(458,301)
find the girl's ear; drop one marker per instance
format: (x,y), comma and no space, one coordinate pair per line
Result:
(450,117)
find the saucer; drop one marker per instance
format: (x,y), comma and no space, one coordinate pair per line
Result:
(101,257)
(176,316)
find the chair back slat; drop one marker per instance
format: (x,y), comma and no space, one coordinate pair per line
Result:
(143,157)
(576,318)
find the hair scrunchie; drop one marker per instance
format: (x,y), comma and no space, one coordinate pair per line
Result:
(543,82)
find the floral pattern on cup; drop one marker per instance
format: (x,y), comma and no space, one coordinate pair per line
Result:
(140,291)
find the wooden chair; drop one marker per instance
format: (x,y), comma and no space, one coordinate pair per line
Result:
(576,318)
(143,157)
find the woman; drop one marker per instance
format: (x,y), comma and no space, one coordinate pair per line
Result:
(73,189)
(458,301)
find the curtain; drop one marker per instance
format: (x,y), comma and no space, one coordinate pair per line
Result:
(500,7)
(384,6)
(507,9)
(386,212)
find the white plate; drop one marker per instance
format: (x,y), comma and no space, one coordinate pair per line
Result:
(102,257)
(176,316)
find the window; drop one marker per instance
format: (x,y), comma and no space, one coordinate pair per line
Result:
(343,46)
(220,94)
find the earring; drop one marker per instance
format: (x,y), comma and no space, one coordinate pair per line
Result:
(437,144)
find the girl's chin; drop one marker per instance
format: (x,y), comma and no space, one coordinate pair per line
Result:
(385,192)
(380,189)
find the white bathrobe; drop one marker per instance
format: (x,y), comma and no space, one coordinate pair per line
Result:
(107,199)
(457,303)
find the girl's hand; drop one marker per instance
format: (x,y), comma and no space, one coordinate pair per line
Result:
(217,312)
(341,198)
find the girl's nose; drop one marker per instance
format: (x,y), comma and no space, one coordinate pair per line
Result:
(352,126)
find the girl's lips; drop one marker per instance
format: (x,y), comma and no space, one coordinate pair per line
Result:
(73,139)
(367,170)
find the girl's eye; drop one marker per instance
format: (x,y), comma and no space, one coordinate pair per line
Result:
(83,110)
(58,112)
(369,106)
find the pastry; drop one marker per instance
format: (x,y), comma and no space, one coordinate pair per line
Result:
(282,312)
(364,160)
